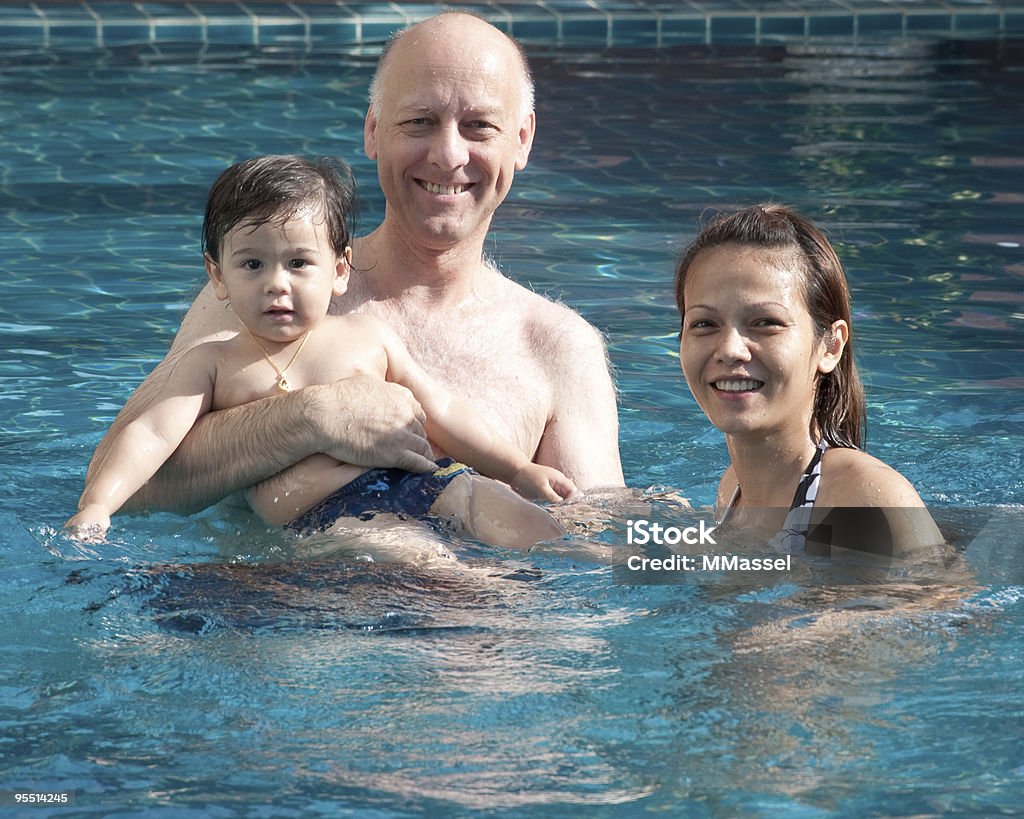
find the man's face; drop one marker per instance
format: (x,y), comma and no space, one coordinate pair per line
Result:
(450,133)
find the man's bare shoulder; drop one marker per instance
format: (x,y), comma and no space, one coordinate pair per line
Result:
(364,325)
(208,319)
(554,326)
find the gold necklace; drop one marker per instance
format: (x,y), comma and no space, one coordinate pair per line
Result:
(282,382)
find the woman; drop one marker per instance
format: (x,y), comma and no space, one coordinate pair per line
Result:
(767,350)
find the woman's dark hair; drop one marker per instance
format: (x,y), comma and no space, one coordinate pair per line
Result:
(839,406)
(275,188)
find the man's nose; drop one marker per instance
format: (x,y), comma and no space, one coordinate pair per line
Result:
(448,149)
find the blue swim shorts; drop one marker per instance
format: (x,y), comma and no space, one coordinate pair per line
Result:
(407,494)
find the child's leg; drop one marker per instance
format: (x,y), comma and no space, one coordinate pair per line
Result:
(492,513)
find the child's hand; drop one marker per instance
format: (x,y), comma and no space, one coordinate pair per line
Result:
(88,525)
(536,482)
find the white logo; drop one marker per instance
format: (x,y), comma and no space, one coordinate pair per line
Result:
(642,532)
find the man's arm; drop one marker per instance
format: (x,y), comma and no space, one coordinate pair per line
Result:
(582,434)
(359,420)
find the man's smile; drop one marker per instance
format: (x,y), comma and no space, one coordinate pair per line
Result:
(443,190)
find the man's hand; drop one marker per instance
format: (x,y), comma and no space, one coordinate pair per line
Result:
(365,421)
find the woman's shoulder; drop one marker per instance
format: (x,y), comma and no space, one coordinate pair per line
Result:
(851,477)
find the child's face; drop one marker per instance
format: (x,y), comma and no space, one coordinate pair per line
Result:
(279,277)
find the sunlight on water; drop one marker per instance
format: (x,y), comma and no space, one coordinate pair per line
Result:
(208,665)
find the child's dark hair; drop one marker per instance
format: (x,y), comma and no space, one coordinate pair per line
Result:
(274,188)
(839,406)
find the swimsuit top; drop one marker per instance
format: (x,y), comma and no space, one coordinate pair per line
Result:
(793,534)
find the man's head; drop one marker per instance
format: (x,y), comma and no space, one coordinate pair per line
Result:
(450,121)
(526,87)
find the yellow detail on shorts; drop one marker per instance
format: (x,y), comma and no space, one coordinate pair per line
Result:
(451,469)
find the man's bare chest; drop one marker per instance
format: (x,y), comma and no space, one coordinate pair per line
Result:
(489,365)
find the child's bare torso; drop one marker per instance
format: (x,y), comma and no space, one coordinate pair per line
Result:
(338,347)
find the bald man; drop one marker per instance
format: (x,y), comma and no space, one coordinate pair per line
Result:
(448,127)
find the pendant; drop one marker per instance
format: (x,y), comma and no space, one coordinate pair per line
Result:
(283,385)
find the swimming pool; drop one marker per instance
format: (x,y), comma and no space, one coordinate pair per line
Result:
(205,666)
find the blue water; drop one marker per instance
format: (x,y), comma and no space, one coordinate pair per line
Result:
(205,666)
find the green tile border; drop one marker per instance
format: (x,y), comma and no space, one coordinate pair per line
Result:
(101,23)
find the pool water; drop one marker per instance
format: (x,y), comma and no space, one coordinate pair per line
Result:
(206,666)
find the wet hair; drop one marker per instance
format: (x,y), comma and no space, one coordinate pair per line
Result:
(275,188)
(527,92)
(839,407)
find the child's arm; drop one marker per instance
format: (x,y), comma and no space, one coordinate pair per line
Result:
(461,433)
(141,447)
(286,495)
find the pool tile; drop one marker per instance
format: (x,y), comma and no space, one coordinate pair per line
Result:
(235,32)
(122,32)
(616,22)
(733,28)
(590,28)
(926,21)
(680,30)
(879,22)
(642,31)
(978,22)
(536,29)
(336,31)
(22,35)
(379,31)
(783,25)
(831,25)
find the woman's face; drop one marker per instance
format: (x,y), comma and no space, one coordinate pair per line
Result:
(748,347)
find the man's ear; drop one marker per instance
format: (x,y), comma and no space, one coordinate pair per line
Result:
(341,272)
(833,345)
(213,271)
(370,134)
(526,131)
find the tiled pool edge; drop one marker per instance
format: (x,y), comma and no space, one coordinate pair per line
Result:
(106,23)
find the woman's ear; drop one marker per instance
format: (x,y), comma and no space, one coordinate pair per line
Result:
(216,279)
(833,345)
(341,272)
